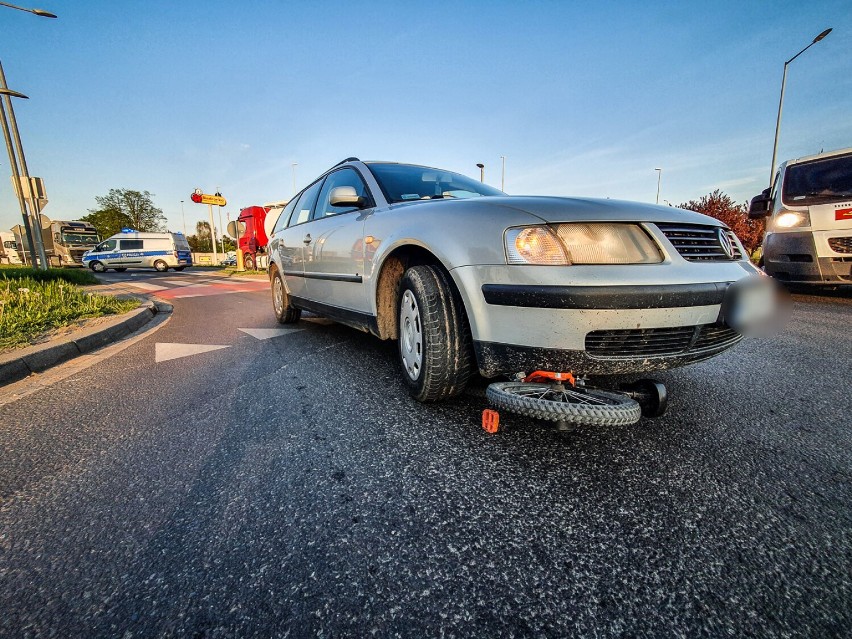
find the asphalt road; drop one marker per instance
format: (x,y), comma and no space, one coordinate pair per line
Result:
(289,487)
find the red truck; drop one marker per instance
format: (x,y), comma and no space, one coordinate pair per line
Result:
(253,241)
(258,221)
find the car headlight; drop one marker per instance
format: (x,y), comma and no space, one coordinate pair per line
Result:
(792,219)
(535,245)
(575,243)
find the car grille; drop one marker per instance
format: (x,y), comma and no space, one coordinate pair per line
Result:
(841,244)
(641,343)
(697,243)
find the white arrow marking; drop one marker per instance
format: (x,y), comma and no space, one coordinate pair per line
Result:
(268,333)
(165,351)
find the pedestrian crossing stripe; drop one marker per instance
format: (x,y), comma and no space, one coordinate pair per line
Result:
(164,351)
(269,333)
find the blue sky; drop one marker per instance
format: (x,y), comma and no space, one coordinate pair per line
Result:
(583,98)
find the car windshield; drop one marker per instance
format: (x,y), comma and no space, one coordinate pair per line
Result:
(819,182)
(80,238)
(406,182)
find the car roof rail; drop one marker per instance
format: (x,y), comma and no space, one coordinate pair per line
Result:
(353,159)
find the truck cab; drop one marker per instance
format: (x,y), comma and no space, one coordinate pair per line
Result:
(808,215)
(253,240)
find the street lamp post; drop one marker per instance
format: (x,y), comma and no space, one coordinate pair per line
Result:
(293,166)
(32,224)
(21,175)
(659,177)
(481,172)
(503,174)
(781,103)
(183,217)
(13,163)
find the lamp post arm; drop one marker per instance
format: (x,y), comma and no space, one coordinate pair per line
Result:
(38,12)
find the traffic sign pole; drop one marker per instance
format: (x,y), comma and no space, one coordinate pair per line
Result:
(213,235)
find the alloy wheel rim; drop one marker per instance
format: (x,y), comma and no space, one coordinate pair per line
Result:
(411,336)
(279,295)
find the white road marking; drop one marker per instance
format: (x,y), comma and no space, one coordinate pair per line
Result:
(269,333)
(180,282)
(180,297)
(147,287)
(166,351)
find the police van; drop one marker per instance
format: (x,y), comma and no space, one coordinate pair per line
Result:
(131,249)
(808,215)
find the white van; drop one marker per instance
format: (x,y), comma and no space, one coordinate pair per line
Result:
(9,249)
(808,215)
(131,249)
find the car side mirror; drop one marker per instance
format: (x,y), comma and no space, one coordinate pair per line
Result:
(346,196)
(760,205)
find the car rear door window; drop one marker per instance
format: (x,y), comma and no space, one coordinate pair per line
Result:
(306,204)
(284,218)
(131,245)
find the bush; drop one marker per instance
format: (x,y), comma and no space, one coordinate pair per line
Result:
(29,307)
(81,277)
(722,207)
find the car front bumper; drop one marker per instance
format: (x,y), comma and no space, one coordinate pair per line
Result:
(806,257)
(610,320)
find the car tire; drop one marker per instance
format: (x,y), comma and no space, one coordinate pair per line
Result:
(285,313)
(98,267)
(248,263)
(161,266)
(434,345)
(577,406)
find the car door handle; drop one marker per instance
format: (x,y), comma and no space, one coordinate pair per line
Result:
(307,239)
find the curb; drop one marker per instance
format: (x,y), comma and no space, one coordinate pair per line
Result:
(19,364)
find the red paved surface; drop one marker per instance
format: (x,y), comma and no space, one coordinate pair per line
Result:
(213,288)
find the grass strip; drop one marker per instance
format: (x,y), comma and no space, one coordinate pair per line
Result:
(29,307)
(82,277)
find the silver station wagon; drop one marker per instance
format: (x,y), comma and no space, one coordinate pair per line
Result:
(468,279)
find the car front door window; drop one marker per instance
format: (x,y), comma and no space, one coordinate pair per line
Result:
(343,177)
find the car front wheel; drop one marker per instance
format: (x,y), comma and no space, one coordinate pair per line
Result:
(435,348)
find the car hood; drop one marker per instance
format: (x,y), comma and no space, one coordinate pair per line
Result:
(570,209)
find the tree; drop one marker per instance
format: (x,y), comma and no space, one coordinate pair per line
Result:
(200,242)
(135,206)
(108,222)
(720,206)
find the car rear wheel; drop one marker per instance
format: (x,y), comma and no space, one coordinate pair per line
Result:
(574,405)
(284,312)
(435,348)
(98,267)
(161,266)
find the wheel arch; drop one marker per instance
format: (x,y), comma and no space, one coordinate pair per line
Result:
(387,279)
